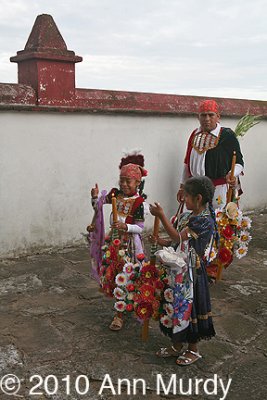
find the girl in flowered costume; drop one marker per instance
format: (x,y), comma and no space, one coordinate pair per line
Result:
(187,310)
(108,260)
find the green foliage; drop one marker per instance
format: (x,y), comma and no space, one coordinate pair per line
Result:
(245,123)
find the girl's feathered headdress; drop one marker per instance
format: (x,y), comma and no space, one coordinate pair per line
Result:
(134,157)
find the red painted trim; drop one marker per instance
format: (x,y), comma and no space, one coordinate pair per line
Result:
(110,101)
(161,103)
(12,93)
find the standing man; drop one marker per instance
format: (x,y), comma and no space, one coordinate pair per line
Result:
(209,152)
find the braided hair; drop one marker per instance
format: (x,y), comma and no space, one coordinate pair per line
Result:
(204,186)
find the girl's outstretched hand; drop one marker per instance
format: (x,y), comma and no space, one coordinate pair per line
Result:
(95,192)
(156,210)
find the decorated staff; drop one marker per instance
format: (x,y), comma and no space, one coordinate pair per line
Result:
(114,208)
(91,227)
(115,232)
(153,249)
(220,262)
(140,288)
(232,177)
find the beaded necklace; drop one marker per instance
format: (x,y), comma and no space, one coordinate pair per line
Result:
(204,141)
(124,205)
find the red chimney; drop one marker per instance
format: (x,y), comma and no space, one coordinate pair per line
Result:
(47,65)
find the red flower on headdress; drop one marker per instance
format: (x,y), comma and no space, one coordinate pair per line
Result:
(144,172)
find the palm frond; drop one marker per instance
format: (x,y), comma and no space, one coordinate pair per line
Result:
(245,123)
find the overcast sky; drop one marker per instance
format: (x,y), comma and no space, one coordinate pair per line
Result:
(197,47)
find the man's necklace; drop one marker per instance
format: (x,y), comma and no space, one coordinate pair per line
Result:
(204,141)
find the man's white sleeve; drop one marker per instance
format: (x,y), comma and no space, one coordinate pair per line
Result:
(185,174)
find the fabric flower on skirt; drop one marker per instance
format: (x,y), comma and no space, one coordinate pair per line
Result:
(166,321)
(179,278)
(187,312)
(181,307)
(169,309)
(168,295)
(167,280)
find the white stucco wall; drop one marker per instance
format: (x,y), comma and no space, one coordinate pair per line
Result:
(49,162)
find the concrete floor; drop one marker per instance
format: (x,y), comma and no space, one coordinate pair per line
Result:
(54,321)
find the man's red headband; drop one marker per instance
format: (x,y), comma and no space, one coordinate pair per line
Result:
(208,106)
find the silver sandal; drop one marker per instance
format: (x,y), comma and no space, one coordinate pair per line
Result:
(165,352)
(188,360)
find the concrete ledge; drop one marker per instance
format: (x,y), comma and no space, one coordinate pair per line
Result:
(20,97)
(12,93)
